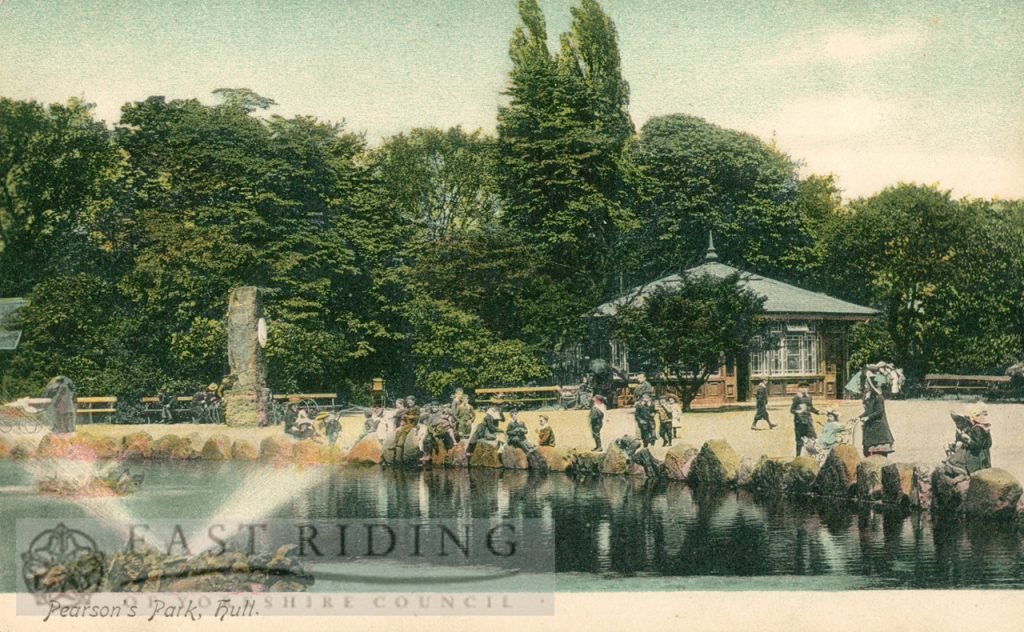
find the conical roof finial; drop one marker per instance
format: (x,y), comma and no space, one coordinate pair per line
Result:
(711,255)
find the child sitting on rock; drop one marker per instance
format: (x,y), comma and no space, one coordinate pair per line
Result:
(545,435)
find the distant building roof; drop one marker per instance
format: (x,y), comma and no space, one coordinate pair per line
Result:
(780,298)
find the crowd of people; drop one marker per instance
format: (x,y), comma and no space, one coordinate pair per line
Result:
(440,426)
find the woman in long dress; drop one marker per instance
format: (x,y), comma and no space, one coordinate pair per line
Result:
(877,436)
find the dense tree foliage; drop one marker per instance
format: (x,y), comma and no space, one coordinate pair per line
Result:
(561,139)
(696,177)
(947,274)
(445,258)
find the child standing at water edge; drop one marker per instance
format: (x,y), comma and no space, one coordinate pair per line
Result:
(597,414)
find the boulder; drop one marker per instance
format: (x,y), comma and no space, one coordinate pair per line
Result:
(801,474)
(5,448)
(615,461)
(405,455)
(485,455)
(172,447)
(744,478)
(838,475)
(897,483)
(636,470)
(993,493)
(137,445)
(869,479)
(366,452)
(948,491)
(457,456)
(278,448)
(217,448)
(514,459)
(99,447)
(332,454)
(585,463)
(242,450)
(53,446)
(768,477)
(307,452)
(717,465)
(556,458)
(678,461)
(921,487)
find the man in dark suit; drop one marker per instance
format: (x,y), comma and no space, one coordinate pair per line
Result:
(762,406)
(801,408)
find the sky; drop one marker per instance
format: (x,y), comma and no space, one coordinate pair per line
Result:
(873,92)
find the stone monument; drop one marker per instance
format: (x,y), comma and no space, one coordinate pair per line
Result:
(243,403)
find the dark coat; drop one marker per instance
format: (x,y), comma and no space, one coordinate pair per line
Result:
(596,417)
(802,421)
(979,440)
(876,424)
(762,398)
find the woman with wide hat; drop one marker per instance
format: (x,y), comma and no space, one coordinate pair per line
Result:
(877,436)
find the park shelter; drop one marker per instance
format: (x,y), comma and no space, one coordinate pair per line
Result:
(811,327)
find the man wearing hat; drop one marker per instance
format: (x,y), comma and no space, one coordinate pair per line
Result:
(644,415)
(643,388)
(598,410)
(486,430)
(330,426)
(801,408)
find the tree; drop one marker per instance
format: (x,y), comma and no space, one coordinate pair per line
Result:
(443,182)
(688,331)
(946,273)
(58,174)
(560,141)
(453,348)
(225,199)
(695,176)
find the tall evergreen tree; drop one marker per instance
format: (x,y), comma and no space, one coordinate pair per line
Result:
(560,140)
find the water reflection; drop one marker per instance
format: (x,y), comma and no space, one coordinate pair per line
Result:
(611,526)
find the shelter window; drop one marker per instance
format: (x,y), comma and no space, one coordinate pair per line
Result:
(796,354)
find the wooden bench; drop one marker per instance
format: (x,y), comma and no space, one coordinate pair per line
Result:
(519,394)
(96,406)
(943,382)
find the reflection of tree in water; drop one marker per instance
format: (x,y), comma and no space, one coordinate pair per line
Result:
(577,510)
(949,542)
(622,525)
(636,529)
(995,552)
(722,540)
(875,557)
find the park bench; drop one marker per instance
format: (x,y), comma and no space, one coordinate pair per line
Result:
(96,406)
(519,395)
(86,405)
(944,383)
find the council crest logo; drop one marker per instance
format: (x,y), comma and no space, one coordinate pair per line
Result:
(62,564)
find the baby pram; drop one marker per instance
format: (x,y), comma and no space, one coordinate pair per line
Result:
(832,434)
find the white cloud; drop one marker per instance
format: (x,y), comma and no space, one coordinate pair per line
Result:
(849,48)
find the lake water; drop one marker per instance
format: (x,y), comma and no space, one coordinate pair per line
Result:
(610,533)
